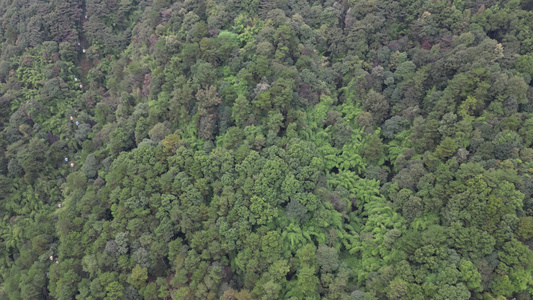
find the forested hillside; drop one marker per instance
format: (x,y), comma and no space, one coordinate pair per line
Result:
(257,149)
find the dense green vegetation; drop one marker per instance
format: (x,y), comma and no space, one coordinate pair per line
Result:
(256,149)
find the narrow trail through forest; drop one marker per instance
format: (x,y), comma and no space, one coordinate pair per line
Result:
(85,63)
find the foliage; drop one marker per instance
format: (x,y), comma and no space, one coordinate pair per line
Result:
(266,149)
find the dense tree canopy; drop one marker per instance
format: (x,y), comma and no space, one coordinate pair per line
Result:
(260,149)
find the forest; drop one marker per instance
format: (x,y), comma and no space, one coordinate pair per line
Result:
(266,149)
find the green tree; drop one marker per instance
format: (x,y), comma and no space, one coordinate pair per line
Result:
(138,276)
(447,148)
(327,258)
(90,166)
(525,228)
